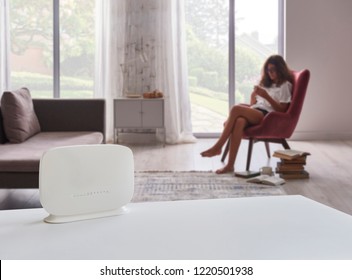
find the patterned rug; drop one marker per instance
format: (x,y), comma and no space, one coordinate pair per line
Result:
(161,186)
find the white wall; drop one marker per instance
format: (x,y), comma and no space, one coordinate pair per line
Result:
(319,37)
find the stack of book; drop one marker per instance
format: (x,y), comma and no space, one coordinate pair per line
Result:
(291,164)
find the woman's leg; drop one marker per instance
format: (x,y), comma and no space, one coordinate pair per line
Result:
(251,115)
(235,141)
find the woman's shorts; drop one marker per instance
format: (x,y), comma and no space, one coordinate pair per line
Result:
(262,110)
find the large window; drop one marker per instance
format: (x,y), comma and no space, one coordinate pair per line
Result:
(31,32)
(214,85)
(32,47)
(207,42)
(256,38)
(40,62)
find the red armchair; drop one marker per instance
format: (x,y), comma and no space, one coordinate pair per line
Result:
(276,127)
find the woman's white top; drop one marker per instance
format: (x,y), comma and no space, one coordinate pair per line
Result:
(281,94)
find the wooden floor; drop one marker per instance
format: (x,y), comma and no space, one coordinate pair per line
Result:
(329,166)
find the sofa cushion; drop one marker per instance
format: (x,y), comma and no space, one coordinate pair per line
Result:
(25,157)
(19,119)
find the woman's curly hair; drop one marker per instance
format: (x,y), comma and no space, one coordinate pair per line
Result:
(283,72)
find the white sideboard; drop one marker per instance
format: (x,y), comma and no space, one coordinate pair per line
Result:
(138,113)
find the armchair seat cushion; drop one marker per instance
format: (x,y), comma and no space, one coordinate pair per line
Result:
(277,125)
(25,156)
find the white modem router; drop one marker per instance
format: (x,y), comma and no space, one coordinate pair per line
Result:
(85,181)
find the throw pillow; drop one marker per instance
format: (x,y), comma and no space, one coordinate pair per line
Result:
(19,119)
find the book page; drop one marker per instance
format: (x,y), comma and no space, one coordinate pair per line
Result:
(258,179)
(267,180)
(274,181)
(291,153)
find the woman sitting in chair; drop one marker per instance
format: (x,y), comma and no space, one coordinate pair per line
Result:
(272,94)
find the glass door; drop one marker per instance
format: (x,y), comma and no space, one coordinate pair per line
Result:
(256,38)
(215,86)
(207,23)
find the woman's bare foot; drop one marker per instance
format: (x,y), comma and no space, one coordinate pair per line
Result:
(225,169)
(211,152)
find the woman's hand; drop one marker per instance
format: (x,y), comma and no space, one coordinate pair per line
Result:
(261,92)
(258,91)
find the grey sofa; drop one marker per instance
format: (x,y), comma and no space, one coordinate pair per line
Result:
(63,122)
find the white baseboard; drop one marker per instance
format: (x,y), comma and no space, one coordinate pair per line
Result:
(321,135)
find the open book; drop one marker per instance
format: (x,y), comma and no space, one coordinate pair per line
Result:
(290,154)
(267,180)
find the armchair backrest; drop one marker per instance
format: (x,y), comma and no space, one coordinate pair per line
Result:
(300,84)
(281,125)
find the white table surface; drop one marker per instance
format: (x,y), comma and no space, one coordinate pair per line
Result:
(280,227)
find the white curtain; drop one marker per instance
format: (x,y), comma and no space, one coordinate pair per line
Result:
(146,38)
(110,20)
(4,46)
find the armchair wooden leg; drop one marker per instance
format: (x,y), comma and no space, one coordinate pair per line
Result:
(249,154)
(285,144)
(267,148)
(224,154)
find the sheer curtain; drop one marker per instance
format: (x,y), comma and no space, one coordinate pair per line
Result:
(141,47)
(110,21)
(4,46)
